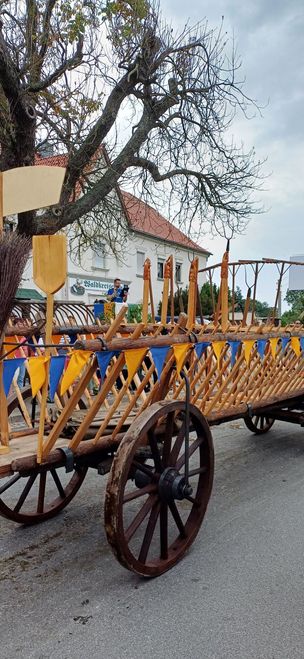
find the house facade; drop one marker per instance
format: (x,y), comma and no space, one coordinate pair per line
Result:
(148,235)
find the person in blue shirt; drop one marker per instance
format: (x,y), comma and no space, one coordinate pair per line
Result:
(117,293)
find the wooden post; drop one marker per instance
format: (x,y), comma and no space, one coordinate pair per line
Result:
(151,299)
(192,295)
(172,292)
(165,297)
(147,268)
(224,289)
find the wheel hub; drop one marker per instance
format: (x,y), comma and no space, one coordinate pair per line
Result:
(172,485)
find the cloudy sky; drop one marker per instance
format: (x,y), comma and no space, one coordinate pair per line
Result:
(270,40)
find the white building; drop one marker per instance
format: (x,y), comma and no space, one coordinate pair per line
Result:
(149,236)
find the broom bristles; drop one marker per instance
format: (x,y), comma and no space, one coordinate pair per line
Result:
(14,253)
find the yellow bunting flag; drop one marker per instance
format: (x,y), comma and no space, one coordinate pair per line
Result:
(180,352)
(273,346)
(37,372)
(78,360)
(248,345)
(134,359)
(295,344)
(217,349)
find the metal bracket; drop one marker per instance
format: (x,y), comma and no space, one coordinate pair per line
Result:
(103,342)
(69,458)
(193,337)
(250,410)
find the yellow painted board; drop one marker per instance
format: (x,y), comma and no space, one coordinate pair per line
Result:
(28,188)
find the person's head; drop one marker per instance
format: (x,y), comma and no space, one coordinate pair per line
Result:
(117,282)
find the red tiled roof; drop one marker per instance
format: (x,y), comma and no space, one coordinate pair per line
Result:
(52,161)
(141,216)
(145,219)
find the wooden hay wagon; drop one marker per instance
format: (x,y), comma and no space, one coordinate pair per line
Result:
(161,388)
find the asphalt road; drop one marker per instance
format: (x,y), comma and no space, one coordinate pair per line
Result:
(238,594)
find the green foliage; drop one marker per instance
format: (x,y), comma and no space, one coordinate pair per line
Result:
(135,313)
(262,309)
(125,18)
(295,299)
(206,298)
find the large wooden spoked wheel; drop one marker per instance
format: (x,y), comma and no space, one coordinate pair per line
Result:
(259,424)
(151,515)
(40,495)
(36,497)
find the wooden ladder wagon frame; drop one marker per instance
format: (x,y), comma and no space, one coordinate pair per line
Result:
(151,463)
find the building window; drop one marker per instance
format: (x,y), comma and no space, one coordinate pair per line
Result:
(140,262)
(178,273)
(99,255)
(160,269)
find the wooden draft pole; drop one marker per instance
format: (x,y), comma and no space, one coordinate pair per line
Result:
(172,292)
(167,278)
(50,271)
(224,290)
(146,291)
(192,295)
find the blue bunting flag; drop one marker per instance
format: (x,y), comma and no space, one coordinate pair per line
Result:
(285,341)
(159,355)
(200,347)
(9,369)
(56,369)
(261,343)
(234,348)
(104,357)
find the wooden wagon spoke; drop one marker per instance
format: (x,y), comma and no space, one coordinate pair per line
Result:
(163,519)
(195,445)
(58,483)
(145,469)
(177,518)
(139,518)
(146,543)
(41,493)
(178,443)
(25,492)
(168,438)
(199,470)
(9,484)
(139,492)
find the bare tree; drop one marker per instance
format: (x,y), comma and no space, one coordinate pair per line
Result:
(80,74)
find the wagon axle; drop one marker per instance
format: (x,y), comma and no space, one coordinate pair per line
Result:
(172,485)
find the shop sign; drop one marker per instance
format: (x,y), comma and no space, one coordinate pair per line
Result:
(82,285)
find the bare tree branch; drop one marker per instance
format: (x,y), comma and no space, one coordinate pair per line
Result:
(76,76)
